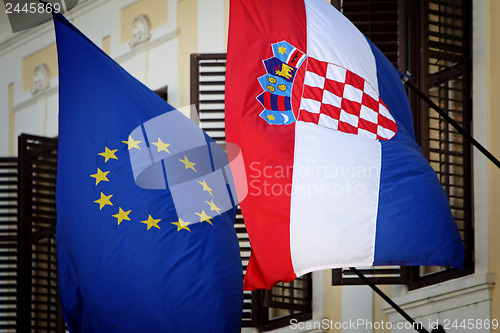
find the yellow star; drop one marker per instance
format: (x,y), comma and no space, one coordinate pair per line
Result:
(100,176)
(271,117)
(162,146)
(122,215)
(108,154)
(104,200)
(181,225)
(188,164)
(213,206)
(132,143)
(281,50)
(206,187)
(204,217)
(151,222)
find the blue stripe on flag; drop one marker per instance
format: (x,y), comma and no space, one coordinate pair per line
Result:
(410,189)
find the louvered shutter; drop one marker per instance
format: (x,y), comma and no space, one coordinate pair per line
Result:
(378,20)
(38,294)
(449,86)
(8,243)
(446,68)
(377,275)
(208,77)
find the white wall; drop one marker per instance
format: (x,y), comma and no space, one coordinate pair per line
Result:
(154,63)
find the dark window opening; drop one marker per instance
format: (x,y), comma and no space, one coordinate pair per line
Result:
(163,93)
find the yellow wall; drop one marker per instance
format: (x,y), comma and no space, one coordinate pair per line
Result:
(155,10)
(332,304)
(332,300)
(378,314)
(187,18)
(106,44)
(46,56)
(494,147)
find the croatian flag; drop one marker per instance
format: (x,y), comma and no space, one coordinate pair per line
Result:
(338,180)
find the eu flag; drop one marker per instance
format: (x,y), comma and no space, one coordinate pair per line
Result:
(145,234)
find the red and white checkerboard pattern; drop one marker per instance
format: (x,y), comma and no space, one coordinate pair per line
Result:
(337,98)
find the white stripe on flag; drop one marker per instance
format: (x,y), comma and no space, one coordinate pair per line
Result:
(310,105)
(334,199)
(327,121)
(314,80)
(332,99)
(336,176)
(332,38)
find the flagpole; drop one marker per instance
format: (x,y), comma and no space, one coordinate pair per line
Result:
(407,81)
(417,326)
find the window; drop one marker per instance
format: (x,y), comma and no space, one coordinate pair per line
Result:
(431,39)
(38,292)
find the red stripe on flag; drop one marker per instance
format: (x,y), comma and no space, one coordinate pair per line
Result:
(297,89)
(281,103)
(351,107)
(331,111)
(314,93)
(354,80)
(267,101)
(367,125)
(347,128)
(309,117)
(387,123)
(336,88)
(370,102)
(253,27)
(317,67)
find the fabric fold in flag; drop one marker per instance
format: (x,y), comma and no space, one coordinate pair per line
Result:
(343,183)
(146,204)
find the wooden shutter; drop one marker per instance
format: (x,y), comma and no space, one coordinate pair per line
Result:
(8,243)
(264,309)
(449,85)
(377,275)
(377,20)
(38,295)
(208,78)
(445,69)
(248,319)
(286,301)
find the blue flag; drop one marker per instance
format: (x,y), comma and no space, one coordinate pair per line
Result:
(146,206)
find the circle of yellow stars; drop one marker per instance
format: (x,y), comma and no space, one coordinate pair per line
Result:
(150,222)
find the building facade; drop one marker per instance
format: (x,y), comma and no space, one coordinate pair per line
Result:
(449,46)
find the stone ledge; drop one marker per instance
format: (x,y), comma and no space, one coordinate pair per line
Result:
(445,296)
